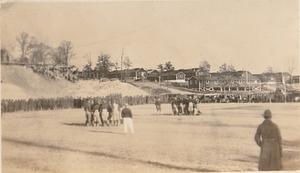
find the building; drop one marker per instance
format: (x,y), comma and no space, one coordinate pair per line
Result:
(190,72)
(87,73)
(274,78)
(152,75)
(296,79)
(168,75)
(227,81)
(129,74)
(115,74)
(178,76)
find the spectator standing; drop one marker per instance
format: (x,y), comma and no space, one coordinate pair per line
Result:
(268,138)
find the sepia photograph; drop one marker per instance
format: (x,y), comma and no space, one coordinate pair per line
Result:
(106,86)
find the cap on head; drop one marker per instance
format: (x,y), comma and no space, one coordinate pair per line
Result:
(267,113)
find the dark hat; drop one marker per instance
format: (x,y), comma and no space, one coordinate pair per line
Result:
(267,113)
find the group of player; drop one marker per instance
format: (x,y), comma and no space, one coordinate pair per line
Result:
(100,114)
(185,106)
(181,106)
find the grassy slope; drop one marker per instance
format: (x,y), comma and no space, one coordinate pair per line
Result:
(22,82)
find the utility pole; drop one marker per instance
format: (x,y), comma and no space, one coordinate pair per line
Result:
(122,64)
(284,85)
(249,87)
(67,61)
(90,58)
(90,63)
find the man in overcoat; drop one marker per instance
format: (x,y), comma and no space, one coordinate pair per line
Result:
(268,138)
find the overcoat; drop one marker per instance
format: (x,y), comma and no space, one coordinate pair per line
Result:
(268,137)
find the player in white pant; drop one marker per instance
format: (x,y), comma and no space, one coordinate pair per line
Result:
(115,114)
(96,118)
(127,119)
(128,124)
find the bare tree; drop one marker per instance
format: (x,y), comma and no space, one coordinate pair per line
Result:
(291,69)
(269,70)
(226,68)
(57,57)
(127,64)
(24,42)
(230,68)
(87,70)
(223,68)
(169,66)
(204,67)
(40,52)
(225,81)
(160,67)
(65,51)
(116,66)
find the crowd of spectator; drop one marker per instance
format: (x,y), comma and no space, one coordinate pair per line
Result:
(236,98)
(10,105)
(57,72)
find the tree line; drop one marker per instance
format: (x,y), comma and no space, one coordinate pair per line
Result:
(34,51)
(203,67)
(105,65)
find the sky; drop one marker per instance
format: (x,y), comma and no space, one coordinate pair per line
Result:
(249,34)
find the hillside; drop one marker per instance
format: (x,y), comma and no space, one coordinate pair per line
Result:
(20,82)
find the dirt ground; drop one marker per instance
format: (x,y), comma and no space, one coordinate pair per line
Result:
(221,139)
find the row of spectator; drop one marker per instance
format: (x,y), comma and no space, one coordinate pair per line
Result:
(9,105)
(237,98)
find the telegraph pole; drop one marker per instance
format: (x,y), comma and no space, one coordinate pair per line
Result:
(90,63)
(90,58)
(248,85)
(284,85)
(122,63)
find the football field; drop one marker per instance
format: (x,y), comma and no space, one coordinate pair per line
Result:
(220,139)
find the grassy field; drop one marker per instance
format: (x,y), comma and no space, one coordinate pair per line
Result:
(221,139)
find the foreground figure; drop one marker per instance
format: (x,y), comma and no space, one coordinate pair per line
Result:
(127,119)
(268,137)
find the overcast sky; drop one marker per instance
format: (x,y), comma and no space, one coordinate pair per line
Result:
(249,34)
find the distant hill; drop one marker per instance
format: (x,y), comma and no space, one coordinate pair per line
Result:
(20,82)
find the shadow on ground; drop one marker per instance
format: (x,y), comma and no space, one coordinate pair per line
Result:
(74,124)
(101,131)
(103,154)
(249,158)
(164,114)
(291,155)
(294,143)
